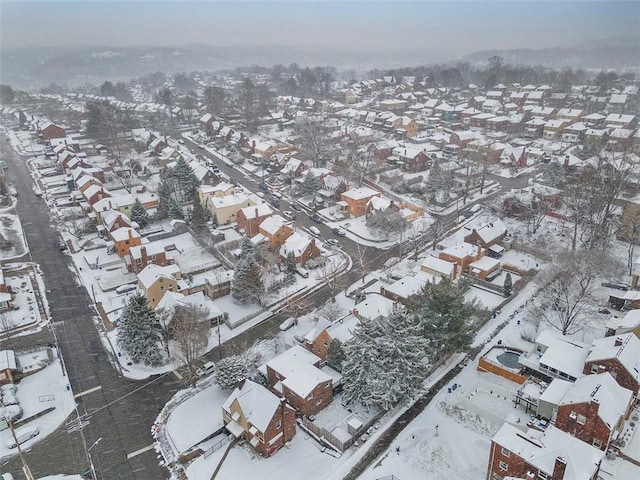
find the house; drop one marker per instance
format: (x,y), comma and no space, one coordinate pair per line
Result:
(142,255)
(556,356)
(302,246)
(276,230)
(356,200)
(50,130)
(486,234)
(95,192)
(8,366)
(124,238)
(155,281)
(412,159)
(553,128)
(210,311)
(296,375)
(594,408)
(113,220)
(404,288)
(485,268)
(550,454)
(260,417)
(375,308)
(206,122)
(221,189)
(319,339)
(225,209)
(438,267)
(629,323)
(462,254)
(618,355)
(218,283)
(250,218)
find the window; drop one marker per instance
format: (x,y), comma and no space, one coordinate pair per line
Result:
(505,452)
(542,475)
(278,424)
(594,368)
(504,466)
(597,442)
(153,257)
(582,419)
(139,261)
(161,288)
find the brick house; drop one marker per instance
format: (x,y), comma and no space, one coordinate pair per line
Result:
(124,238)
(250,218)
(356,200)
(304,248)
(295,374)
(50,130)
(551,455)
(319,339)
(438,267)
(276,230)
(485,268)
(260,417)
(94,193)
(412,159)
(486,234)
(593,408)
(206,122)
(462,254)
(620,356)
(8,366)
(142,255)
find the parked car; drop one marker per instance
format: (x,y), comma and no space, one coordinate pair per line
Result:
(287,324)
(316,218)
(206,369)
(314,230)
(289,214)
(339,231)
(264,186)
(296,206)
(275,201)
(22,434)
(333,242)
(302,272)
(605,311)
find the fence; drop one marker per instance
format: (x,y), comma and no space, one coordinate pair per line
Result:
(325,435)
(216,446)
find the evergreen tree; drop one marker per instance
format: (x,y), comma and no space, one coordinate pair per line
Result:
(248,284)
(443,313)
(199,216)
(336,355)
(310,184)
(175,210)
(291,263)
(385,361)
(187,181)
(164,199)
(137,332)
(247,248)
(230,371)
(7,95)
(507,288)
(139,214)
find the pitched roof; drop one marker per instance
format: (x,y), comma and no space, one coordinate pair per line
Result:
(297,366)
(625,347)
(151,273)
(258,404)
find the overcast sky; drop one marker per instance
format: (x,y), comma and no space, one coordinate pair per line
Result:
(455,26)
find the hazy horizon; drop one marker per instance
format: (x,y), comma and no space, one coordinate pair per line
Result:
(454,27)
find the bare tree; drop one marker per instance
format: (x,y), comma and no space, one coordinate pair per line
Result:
(357,162)
(417,237)
(189,329)
(331,311)
(387,223)
(361,259)
(314,139)
(329,273)
(566,288)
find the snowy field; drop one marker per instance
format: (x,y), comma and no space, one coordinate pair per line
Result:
(11,238)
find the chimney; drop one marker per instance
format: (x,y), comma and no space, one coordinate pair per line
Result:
(256,212)
(566,161)
(558,468)
(129,233)
(618,342)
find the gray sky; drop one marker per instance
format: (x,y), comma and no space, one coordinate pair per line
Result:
(455,26)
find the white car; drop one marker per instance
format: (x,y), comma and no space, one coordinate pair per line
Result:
(333,242)
(289,215)
(206,369)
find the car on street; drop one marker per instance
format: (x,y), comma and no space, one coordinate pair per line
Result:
(206,369)
(264,186)
(316,218)
(296,206)
(339,231)
(288,214)
(314,230)
(333,242)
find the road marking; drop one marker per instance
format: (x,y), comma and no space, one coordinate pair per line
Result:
(142,450)
(177,374)
(91,390)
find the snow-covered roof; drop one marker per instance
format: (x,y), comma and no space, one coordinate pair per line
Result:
(7,360)
(411,284)
(258,404)
(562,353)
(230,200)
(296,243)
(462,250)
(297,366)
(613,399)
(630,320)
(360,193)
(625,347)
(124,233)
(556,390)
(438,265)
(374,306)
(541,449)
(151,273)
(255,211)
(273,223)
(151,248)
(488,231)
(485,264)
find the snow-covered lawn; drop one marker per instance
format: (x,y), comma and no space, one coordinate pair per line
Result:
(485,298)
(11,238)
(44,389)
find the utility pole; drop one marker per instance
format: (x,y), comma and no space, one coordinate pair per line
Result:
(25,467)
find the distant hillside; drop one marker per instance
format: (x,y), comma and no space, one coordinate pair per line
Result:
(608,53)
(37,67)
